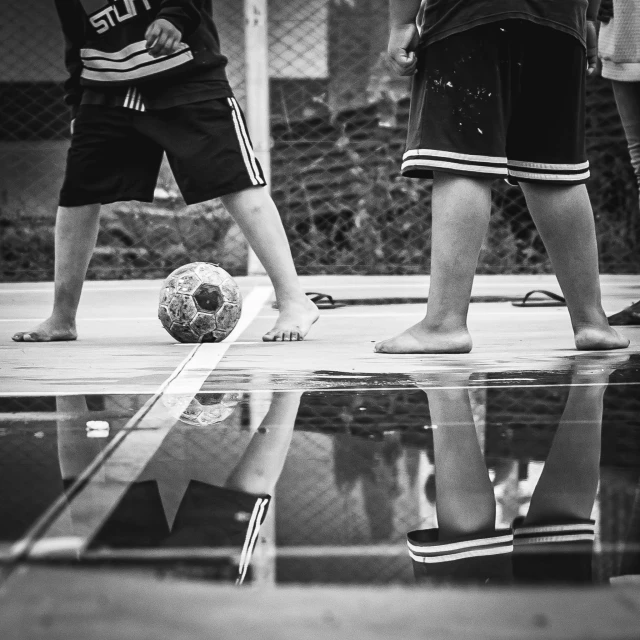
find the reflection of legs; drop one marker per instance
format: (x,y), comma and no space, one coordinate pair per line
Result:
(75,450)
(460,211)
(260,466)
(258,218)
(628,100)
(465,500)
(76,235)
(564,219)
(569,482)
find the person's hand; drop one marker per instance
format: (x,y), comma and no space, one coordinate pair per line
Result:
(162,37)
(592,48)
(401,50)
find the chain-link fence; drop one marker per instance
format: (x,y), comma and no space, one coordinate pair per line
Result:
(338,120)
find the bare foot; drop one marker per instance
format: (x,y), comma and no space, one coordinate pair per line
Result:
(417,339)
(294,321)
(599,339)
(49,331)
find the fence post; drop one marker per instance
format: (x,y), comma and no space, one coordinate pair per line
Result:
(257,87)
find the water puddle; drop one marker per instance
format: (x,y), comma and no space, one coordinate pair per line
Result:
(480,478)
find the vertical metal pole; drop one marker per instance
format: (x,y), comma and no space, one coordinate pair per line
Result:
(257,87)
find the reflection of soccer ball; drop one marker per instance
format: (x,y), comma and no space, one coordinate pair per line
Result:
(205,409)
(199,302)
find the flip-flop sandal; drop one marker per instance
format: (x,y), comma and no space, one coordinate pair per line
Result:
(324,300)
(555,300)
(629,316)
(321,300)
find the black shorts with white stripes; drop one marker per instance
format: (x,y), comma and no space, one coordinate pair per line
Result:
(116,153)
(501,100)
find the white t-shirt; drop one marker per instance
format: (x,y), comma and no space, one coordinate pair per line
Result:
(619,42)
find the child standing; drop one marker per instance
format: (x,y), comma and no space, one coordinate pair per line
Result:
(499,92)
(146,78)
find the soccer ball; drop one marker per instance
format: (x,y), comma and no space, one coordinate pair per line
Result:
(205,409)
(199,302)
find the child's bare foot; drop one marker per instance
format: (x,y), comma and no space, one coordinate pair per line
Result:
(591,338)
(294,321)
(417,339)
(49,331)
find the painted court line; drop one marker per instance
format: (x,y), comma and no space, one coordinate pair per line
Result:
(334,315)
(68,526)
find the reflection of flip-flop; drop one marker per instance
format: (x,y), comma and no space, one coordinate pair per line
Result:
(554,301)
(629,316)
(321,300)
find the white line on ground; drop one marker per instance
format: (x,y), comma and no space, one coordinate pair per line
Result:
(69,524)
(335,314)
(154,286)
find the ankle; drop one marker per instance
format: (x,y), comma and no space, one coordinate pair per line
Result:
(290,298)
(447,325)
(594,320)
(63,317)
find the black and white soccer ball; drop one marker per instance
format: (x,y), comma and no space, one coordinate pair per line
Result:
(199,302)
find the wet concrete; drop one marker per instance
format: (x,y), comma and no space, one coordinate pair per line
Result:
(528,478)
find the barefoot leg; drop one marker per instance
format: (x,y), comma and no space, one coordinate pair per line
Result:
(76,235)
(258,218)
(564,219)
(461,209)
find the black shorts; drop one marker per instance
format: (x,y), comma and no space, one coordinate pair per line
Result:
(116,153)
(559,552)
(502,100)
(473,559)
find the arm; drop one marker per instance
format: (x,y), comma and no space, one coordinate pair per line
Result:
(73,26)
(182,14)
(592,9)
(403,36)
(592,36)
(175,19)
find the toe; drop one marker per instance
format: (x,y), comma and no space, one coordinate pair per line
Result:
(268,337)
(18,337)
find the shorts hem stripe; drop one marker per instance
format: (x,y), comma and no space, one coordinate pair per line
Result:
(579,166)
(500,172)
(452,155)
(472,553)
(555,177)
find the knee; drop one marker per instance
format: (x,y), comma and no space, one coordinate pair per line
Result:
(249,201)
(634,154)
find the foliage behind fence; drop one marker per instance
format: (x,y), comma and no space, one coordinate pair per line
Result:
(338,122)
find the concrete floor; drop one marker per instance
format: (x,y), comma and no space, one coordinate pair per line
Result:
(123,349)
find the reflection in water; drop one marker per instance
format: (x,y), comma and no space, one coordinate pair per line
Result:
(499,481)
(179,501)
(553,542)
